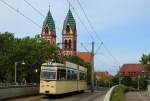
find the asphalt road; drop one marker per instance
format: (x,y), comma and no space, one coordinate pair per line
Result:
(86,96)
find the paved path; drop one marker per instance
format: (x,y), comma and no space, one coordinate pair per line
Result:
(87,96)
(137,96)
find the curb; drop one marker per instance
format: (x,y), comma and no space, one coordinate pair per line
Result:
(108,94)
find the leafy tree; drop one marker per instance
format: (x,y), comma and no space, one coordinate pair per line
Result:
(105,81)
(33,51)
(127,81)
(145,59)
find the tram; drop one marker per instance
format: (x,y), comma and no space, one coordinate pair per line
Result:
(59,78)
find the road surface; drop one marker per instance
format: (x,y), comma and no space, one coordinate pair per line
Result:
(86,96)
(138,96)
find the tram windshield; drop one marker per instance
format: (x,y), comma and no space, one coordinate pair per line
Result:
(48,75)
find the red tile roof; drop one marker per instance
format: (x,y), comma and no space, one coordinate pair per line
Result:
(102,74)
(86,56)
(133,70)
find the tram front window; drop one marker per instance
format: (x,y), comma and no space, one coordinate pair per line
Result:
(48,75)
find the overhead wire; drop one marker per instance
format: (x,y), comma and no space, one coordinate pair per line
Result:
(17,10)
(34,8)
(39,12)
(81,20)
(97,36)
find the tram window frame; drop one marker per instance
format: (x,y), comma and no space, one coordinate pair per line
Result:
(61,74)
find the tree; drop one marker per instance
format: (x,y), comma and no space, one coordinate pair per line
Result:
(145,59)
(33,51)
(105,81)
(127,81)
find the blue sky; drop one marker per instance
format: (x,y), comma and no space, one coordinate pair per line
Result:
(123,25)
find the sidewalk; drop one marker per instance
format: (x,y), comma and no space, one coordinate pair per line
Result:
(137,96)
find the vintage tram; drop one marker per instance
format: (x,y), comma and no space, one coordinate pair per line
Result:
(61,78)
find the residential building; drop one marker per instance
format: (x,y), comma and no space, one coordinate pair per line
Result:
(132,70)
(101,74)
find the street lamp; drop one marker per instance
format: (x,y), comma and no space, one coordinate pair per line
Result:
(36,70)
(16,63)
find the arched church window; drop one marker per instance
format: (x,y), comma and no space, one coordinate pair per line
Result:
(75,45)
(46,30)
(65,43)
(68,29)
(70,43)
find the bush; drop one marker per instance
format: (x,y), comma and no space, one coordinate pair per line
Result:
(133,82)
(118,93)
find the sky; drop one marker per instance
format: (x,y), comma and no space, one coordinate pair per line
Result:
(123,26)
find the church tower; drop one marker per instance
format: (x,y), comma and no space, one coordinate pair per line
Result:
(69,35)
(48,30)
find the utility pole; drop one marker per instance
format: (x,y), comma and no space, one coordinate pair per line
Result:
(16,72)
(119,75)
(92,68)
(138,82)
(92,64)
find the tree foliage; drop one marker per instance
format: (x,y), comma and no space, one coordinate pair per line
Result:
(33,51)
(133,82)
(105,81)
(145,59)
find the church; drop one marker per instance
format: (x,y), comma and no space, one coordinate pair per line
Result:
(69,35)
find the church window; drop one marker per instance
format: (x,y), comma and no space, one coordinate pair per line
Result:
(68,29)
(74,45)
(70,43)
(65,43)
(46,30)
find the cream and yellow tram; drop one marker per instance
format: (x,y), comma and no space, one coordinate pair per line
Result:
(57,78)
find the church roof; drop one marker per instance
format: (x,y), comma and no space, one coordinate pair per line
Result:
(70,20)
(50,22)
(86,56)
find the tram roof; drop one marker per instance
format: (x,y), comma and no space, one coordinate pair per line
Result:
(52,64)
(67,65)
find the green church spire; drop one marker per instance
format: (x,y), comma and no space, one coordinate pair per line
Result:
(70,20)
(50,22)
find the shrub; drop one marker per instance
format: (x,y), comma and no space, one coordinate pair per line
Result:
(118,93)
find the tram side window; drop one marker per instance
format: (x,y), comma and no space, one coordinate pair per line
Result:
(71,75)
(61,74)
(68,75)
(82,76)
(74,75)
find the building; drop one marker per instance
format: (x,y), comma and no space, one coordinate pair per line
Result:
(101,74)
(69,35)
(86,56)
(132,70)
(48,31)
